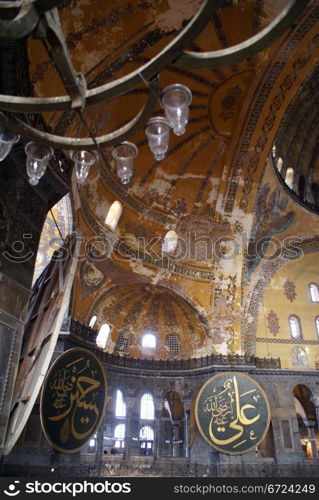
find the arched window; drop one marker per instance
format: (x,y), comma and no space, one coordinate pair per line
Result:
(120,406)
(92,321)
(102,336)
(299,357)
(289,179)
(279,164)
(295,327)
(147,407)
(314,292)
(147,433)
(149,340)
(170,242)
(146,440)
(172,344)
(317,325)
(119,435)
(113,215)
(122,343)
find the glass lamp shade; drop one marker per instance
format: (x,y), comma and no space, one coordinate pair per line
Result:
(175,100)
(157,131)
(124,155)
(83,161)
(7,139)
(38,157)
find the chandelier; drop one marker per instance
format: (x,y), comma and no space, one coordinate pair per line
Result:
(40,18)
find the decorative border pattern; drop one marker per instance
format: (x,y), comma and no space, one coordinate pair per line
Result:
(287,341)
(256,111)
(249,328)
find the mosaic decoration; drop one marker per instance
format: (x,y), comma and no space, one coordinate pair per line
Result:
(73,400)
(50,237)
(269,219)
(273,323)
(290,290)
(232,413)
(249,328)
(256,112)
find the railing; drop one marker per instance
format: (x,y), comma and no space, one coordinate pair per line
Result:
(88,334)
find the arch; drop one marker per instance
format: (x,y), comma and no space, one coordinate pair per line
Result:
(147,410)
(289,177)
(266,273)
(103,335)
(295,327)
(120,406)
(92,320)
(170,242)
(113,215)
(172,343)
(299,357)
(149,340)
(314,292)
(307,420)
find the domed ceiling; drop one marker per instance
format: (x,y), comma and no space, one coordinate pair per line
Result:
(206,186)
(135,310)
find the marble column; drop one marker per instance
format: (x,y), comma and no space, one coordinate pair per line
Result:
(157,437)
(311,424)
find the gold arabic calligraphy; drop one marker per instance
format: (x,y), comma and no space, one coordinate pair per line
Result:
(228,412)
(74,393)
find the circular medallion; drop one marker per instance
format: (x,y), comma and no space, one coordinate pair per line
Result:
(73,400)
(232,413)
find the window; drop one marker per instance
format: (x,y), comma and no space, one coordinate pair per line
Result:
(289,179)
(147,407)
(119,435)
(299,357)
(92,444)
(170,242)
(314,292)
(147,433)
(102,336)
(92,321)
(279,164)
(317,325)
(295,327)
(120,406)
(122,343)
(113,215)
(172,344)
(146,440)
(149,340)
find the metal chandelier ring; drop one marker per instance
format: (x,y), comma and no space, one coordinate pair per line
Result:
(103,93)
(110,139)
(248,48)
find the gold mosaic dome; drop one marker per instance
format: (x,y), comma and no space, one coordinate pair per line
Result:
(135,311)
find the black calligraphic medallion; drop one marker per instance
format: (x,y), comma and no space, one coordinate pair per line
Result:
(73,400)
(232,413)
